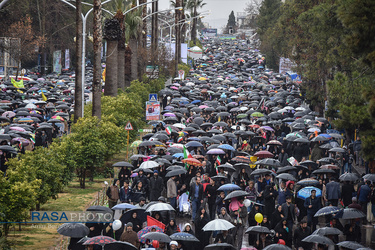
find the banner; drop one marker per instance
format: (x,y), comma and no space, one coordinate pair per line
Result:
(286,65)
(152,111)
(67,59)
(57,61)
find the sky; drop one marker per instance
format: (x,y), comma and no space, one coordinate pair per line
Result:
(220,10)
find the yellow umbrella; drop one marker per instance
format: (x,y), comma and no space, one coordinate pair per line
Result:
(202,79)
(135,144)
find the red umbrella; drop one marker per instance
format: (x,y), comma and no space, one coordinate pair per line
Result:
(99,240)
(192,161)
(242,159)
(263,154)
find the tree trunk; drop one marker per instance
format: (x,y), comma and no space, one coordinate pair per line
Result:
(143,39)
(110,88)
(121,68)
(128,70)
(134,59)
(178,36)
(97,83)
(78,79)
(194,27)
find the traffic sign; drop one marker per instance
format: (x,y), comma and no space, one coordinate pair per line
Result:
(128,126)
(145,130)
(153,98)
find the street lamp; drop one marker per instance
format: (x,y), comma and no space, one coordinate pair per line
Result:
(178,8)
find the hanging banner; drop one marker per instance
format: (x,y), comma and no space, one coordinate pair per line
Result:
(152,111)
(57,61)
(67,59)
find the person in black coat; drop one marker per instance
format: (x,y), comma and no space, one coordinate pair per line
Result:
(352,231)
(277,216)
(283,158)
(137,224)
(312,204)
(124,175)
(300,233)
(269,196)
(347,191)
(200,221)
(224,237)
(283,232)
(196,196)
(156,186)
(210,193)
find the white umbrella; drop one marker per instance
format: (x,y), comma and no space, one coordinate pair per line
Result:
(218,225)
(179,125)
(160,207)
(149,164)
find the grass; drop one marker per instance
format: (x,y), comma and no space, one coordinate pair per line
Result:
(45,236)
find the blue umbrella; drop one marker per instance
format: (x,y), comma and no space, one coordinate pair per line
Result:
(195,101)
(228,187)
(326,136)
(227,147)
(304,193)
(194,144)
(123,206)
(183,237)
(193,139)
(178,155)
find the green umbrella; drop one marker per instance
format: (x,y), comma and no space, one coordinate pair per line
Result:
(240,116)
(257,114)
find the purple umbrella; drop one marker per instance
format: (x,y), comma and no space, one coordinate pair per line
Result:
(169,108)
(170,114)
(216,151)
(268,128)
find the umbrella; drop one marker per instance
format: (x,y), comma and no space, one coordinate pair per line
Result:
(149,164)
(99,240)
(122,164)
(327,210)
(141,215)
(160,207)
(237,193)
(337,150)
(349,177)
(147,230)
(194,144)
(192,161)
(370,177)
(136,156)
(268,162)
(119,245)
(261,171)
(327,231)
(218,246)
(184,237)
(258,229)
(352,213)
(226,147)
(76,230)
(162,237)
(277,247)
(243,159)
(175,172)
(305,192)
(329,166)
(263,154)
(218,225)
(123,206)
(227,166)
(350,244)
(323,171)
(135,144)
(228,187)
(274,142)
(286,176)
(308,182)
(285,169)
(314,238)
(215,151)
(100,209)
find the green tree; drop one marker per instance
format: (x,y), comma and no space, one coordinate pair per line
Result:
(194,5)
(231,24)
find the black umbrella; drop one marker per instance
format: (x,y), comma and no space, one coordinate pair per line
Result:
(258,229)
(141,215)
(261,171)
(184,237)
(100,209)
(323,171)
(308,182)
(285,169)
(76,230)
(7,148)
(223,246)
(237,193)
(350,245)
(119,245)
(349,177)
(314,238)
(327,231)
(286,176)
(176,172)
(227,166)
(122,164)
(309,163)
(146,144)
(352,213)
(162,237)
(268,162)
(327,210)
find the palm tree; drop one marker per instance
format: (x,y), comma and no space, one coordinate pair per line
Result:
(112,33)
(96,83)
(133,20)
(194,5)
(78,79)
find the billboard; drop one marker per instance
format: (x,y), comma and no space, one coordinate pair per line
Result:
(152,111)
(209,32)
(57,61)
(286,65)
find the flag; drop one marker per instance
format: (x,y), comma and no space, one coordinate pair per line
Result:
(43,96)
(104,73)
(154,222)
(17,84)
(218,160)
(168,130)
(186,153)
(180,139)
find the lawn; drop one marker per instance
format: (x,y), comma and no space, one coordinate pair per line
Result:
(45,236)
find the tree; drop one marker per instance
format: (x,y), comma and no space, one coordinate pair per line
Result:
(231,24)
(195,5)
(112,33)
(252,10)
(97,69)
(78,109)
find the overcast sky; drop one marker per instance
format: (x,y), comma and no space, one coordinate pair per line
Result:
(220,10)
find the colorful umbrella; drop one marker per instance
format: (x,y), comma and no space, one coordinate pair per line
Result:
(242,159)
(99,240)
(192,161)
(263,154)
(215,151)
(148,230)
(304,193)
(135,144)
(57,117)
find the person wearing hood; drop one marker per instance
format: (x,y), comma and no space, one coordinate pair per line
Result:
(284,232)
(224,215)
(269,196)
(113,193)
(188,229)
(277,216)
(136,222)
(156,186)
(316,153)
(283,158)
(200,221)
(171,228)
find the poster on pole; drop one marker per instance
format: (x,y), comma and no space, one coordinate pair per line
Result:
(184,52)
(152,111)
(57,61)
(67,59)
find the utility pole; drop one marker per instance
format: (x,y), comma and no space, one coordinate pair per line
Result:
(154,33)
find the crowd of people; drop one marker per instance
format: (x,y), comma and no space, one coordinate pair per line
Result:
(233,126)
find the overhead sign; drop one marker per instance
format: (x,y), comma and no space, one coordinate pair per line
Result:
(152,111)
(128,126)
(153,98)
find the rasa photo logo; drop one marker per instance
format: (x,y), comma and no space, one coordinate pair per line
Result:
(70,216)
